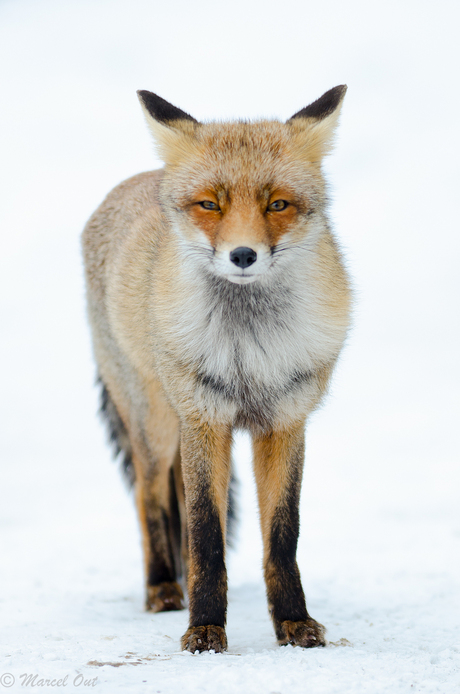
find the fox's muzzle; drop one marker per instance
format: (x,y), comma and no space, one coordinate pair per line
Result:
(243,257)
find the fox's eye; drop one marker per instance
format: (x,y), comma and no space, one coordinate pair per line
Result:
(209,205)
(277,206)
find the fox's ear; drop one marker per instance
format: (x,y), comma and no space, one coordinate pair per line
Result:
(172,128)
(161,110)
(314,125)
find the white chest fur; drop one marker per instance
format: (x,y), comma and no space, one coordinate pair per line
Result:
(254,345)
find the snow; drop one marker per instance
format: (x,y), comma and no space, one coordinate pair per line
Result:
(380,536)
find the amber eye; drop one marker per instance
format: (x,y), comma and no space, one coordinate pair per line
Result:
(277,206)
(209,205)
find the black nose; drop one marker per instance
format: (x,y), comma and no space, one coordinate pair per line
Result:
(243,257)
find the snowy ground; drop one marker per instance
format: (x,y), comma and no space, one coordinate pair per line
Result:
(380,539)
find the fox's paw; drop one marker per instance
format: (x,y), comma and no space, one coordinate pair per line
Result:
(207,638)
(164,597)
(308,633)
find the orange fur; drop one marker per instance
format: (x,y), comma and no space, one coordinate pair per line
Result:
(207,320)
(272,469)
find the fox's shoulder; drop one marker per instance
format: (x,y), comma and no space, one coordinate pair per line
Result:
(145,183)
(132,197)
(130,212)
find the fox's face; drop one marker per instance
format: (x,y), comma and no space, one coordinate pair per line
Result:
(245,199)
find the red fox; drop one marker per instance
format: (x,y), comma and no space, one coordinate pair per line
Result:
(218,301)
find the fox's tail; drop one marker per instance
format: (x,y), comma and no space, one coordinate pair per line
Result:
(119,438)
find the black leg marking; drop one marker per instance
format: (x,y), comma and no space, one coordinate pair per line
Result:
(161,566)
(285,593)
(163,591)
(208,589)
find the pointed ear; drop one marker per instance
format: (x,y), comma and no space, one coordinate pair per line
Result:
(162,110)
(314,125)
(173,129)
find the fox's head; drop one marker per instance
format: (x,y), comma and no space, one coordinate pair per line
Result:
(245,199)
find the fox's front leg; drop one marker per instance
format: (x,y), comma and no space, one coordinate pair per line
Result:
(278,463)
(205,455)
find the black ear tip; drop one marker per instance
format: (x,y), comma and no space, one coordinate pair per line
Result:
(333,96)
(160,109)
(147,97)
(341,89)
(323,106)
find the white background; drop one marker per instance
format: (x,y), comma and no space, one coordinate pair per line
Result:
(380,538)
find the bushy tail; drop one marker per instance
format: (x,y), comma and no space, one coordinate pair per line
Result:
(232,513)
(118,435)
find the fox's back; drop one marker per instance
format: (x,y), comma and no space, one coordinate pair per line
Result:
(128,206)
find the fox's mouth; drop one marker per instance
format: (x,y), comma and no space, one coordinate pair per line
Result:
(241,279)
(241,265)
